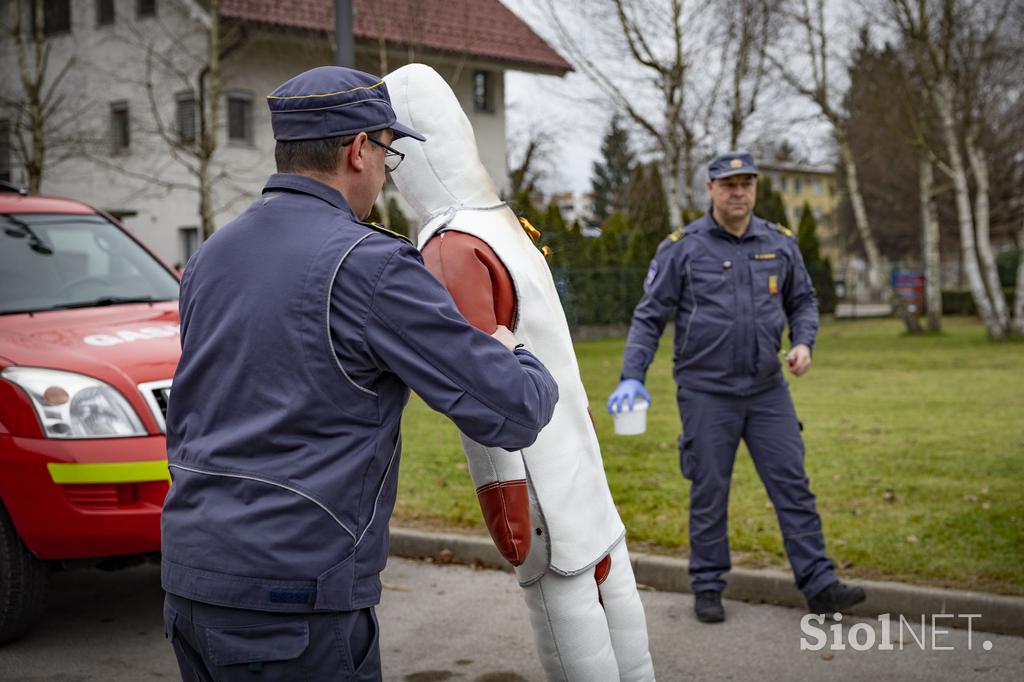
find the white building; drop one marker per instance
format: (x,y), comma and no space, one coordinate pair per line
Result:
(126,117)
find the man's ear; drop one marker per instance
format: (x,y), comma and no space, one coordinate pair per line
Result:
(710,184)
(355,156)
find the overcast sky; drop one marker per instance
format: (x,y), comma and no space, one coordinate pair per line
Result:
(564,107)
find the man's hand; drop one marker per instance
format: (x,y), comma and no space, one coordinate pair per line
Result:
(507,338)
(625,395)
(799,359)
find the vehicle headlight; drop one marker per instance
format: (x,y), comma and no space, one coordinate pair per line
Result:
(73,405)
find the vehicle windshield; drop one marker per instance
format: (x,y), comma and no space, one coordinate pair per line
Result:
(54,261)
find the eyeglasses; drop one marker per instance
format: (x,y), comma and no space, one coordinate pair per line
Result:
(392,157)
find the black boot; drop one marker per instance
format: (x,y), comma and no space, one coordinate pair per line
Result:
(834,598)
(708,605)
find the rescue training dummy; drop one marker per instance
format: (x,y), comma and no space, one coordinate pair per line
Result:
(547,507)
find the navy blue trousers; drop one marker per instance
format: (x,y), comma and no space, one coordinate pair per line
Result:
(219,644)
(712,428)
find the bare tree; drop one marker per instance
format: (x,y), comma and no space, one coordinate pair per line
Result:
(750,27)
(172,56)
(810,21)
(649,52)
(953,44)
(41,121)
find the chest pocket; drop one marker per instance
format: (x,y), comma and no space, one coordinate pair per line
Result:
(712,285)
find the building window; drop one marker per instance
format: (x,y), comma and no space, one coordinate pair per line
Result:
(798,185)
(120,128)
(185,117)
(145,8)
(483,94)
(104,12)
(817,186)
(56,16)
(784,184)
(240,118)
(5,151)
(188,242)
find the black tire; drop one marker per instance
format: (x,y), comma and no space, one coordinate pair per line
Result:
(22,583)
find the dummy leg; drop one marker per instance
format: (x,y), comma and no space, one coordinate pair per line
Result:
(570,629)
(626,621)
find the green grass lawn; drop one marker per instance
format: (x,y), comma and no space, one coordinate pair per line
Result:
(915,450)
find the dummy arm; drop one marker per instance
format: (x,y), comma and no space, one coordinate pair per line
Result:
(483,292)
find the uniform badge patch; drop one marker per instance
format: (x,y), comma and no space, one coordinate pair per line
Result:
(773,284)
(652,273)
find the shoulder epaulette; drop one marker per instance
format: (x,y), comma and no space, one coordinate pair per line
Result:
(383,230)
(779,227)
(676,235)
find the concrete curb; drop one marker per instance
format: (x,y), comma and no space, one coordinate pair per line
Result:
(998,614)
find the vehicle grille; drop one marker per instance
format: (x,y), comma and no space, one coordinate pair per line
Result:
(157,395)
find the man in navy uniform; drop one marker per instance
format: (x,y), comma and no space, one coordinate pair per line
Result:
(303,329)
(734,280)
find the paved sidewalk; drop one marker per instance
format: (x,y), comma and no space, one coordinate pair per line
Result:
(446,622)
(998,614)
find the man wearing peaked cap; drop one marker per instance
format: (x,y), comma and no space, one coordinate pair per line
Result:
(735,281)
(332,101)
(303,330)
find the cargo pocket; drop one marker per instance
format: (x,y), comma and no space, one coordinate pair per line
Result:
(260,652)
(686,459)
(360,642)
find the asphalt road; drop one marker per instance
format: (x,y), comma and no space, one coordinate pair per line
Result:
(456,623)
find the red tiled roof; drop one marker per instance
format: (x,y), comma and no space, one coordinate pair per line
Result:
(482,28)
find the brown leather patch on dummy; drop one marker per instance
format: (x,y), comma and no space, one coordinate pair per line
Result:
(477,280)
(603,568)
(506,508)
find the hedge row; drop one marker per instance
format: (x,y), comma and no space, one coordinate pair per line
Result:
(607,296)
(960,302)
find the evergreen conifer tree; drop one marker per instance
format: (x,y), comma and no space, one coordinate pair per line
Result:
(611,177)
(818,268)
(769,204)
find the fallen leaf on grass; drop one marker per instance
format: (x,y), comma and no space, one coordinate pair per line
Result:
(843,565)
(970,498)
(912,539)
(986,505)
(889,495)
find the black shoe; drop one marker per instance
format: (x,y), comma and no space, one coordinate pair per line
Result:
(836,597)
(708,605)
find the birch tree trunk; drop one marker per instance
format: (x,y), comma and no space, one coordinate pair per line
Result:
(930,243)
(1018,301)
(958,174)
(979,169)
(860,215)
(672,185)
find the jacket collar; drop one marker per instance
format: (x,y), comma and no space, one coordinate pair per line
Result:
(295,182)
(754,229)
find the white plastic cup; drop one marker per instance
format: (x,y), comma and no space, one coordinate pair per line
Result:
(631,422)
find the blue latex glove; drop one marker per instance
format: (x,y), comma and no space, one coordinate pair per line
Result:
(625,394)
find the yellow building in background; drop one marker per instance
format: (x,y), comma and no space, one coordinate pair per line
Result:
(816,186)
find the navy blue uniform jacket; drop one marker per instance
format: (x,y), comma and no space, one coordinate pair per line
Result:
(302,331)
(732,297)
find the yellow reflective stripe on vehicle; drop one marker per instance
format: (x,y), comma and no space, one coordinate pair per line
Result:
(110,472)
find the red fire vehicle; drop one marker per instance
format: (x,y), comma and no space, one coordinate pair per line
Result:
(88,346)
